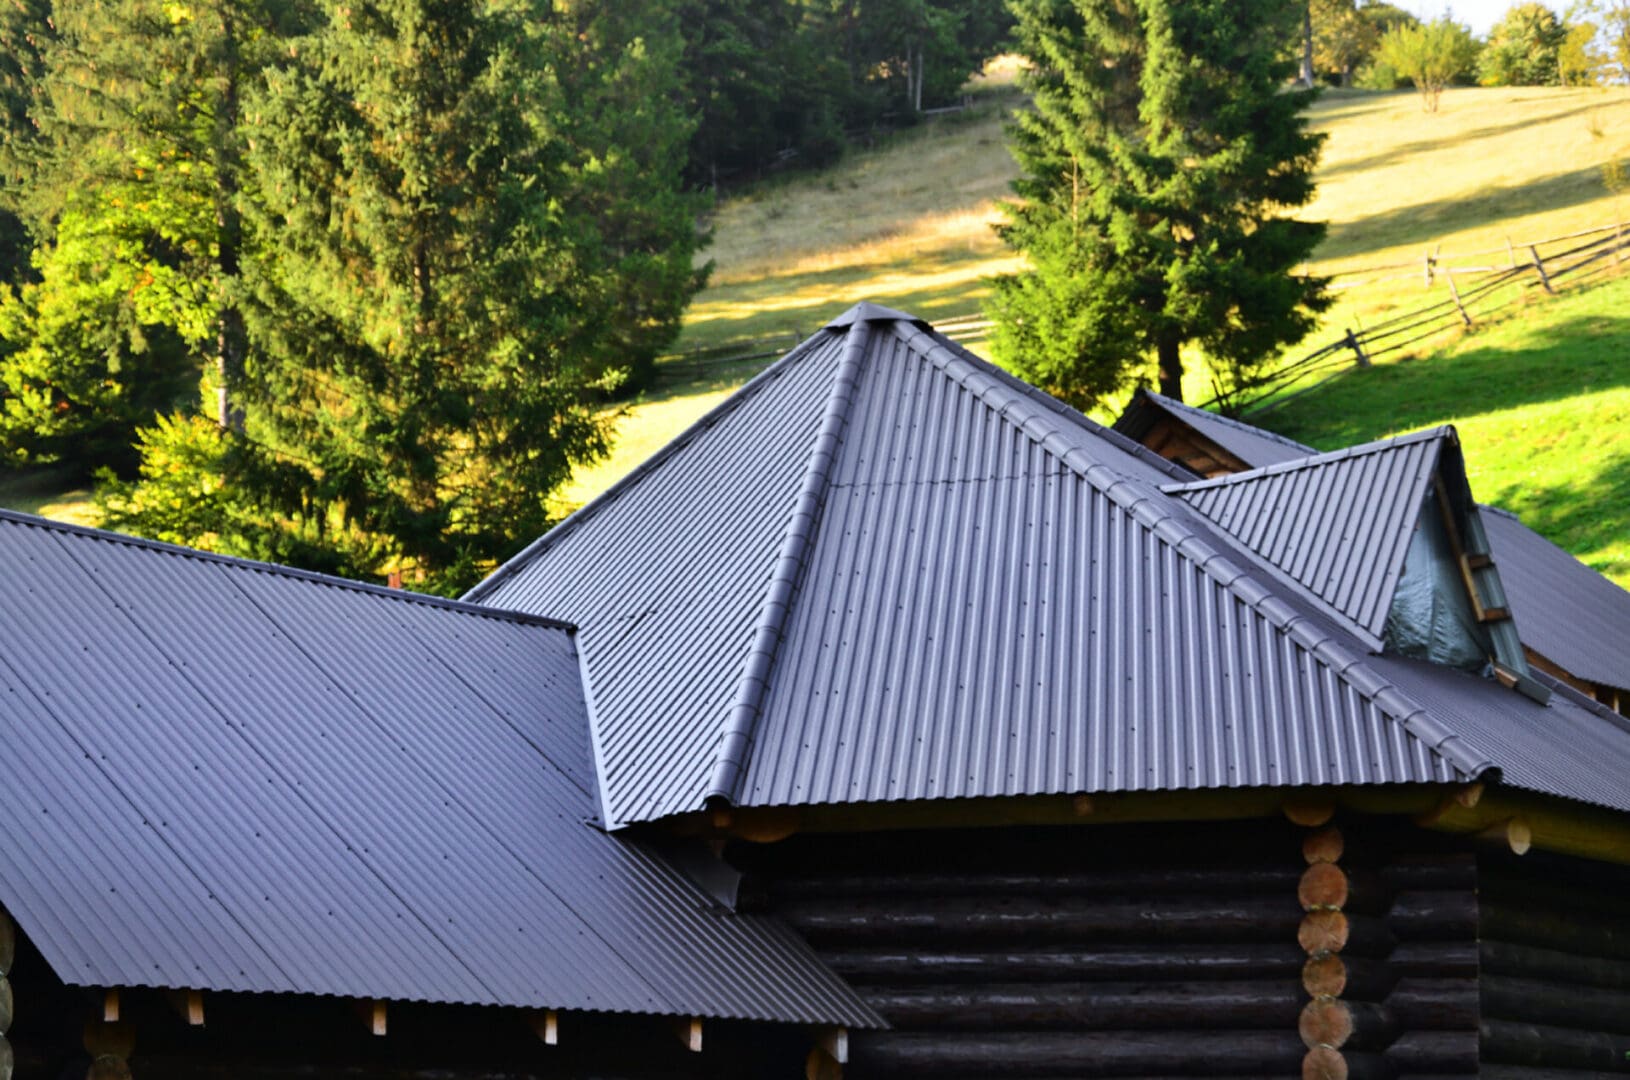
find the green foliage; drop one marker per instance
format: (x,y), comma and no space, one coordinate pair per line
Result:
(476,230)
(1523,48)
(1616,29)
(1431,55)
(92,349)
(1343,38)
(1159,155)
(1580,61)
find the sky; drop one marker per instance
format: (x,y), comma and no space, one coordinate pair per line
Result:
(1480,15)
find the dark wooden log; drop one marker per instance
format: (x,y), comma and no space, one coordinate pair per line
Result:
(1435,959)
(1443,870)
(1523,1072)
(1323,886)
(8,943)
(1556,888)
(1343,1024)
(1340,932)
(1507,958)
(1057,920)
(1092,1006)
(1505,920)
(1434,1004)
(1434,914)
(1101,1053)
(1539,1001)
(1434,1052)
(1509,1043)
(1110,963)
(1323,845)
(5,1005)
(1325,1063)
(1135,881)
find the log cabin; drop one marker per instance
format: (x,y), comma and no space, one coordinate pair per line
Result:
(895,720)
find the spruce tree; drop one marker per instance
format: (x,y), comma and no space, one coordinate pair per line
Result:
(1159,159)
(466,254)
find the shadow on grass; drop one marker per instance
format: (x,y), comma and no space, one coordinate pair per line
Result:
(1394,152)
(1582,355)
(1483,208)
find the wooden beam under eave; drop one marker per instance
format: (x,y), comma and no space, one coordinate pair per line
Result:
(1544,822)
(834,1042)
(189,1005)
(110,1007)
(378,1019)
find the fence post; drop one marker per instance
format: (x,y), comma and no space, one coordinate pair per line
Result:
(1454,292)
(1539,264)
(1511,253)
(1618,243)
(1427,264)
(1358,350)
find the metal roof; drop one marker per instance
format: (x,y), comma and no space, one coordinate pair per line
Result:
(1337,524)
(901,573)
(229,776)
(1569,613)
(1255,446)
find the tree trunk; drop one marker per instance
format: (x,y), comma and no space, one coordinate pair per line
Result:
(1307,44)
(1171,366)
(230,337)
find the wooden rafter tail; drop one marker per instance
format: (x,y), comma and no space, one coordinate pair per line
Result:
(110,1007)
(1513,834)
(834,1042)
(689,1030)
(545,1023)
(189,1005)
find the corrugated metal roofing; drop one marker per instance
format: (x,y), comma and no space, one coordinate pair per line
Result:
(1567,612)
(1255,446)
(959,587)
(1337,524)
(223,775)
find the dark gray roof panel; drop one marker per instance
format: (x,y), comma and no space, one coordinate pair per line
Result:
(1255,446)
(306,786)
(667,575)
(1567,748)
(1337,524)
(1569,613)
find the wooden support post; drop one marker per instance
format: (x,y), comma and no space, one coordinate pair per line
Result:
(546,1023)
(1539,264)
(1358,349)
(1449,275)
(689,1030)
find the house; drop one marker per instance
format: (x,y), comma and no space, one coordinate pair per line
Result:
(894,720)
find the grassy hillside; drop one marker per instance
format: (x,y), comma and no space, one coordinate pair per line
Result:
(1542,403)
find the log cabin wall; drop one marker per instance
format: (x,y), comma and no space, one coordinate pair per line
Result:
(1555,955)
(1132,951)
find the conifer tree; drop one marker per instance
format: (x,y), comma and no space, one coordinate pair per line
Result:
(1158,161)
(466,252)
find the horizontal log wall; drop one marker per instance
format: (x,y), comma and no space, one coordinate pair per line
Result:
(1555,955)
(1132,951)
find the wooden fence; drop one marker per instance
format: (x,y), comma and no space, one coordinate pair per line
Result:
(1473,284)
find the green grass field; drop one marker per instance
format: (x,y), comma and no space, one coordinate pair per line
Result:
(1541,399)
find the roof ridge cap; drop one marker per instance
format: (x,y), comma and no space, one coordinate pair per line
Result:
(1315,461)
(979,377)
(736,738)
(164,547)
(590,509)
(1143,504)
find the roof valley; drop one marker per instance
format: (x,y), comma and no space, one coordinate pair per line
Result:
(791,562)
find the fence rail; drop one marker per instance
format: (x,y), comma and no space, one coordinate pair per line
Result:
(1471,292)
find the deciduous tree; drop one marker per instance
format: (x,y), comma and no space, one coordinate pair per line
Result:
(1430,55)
